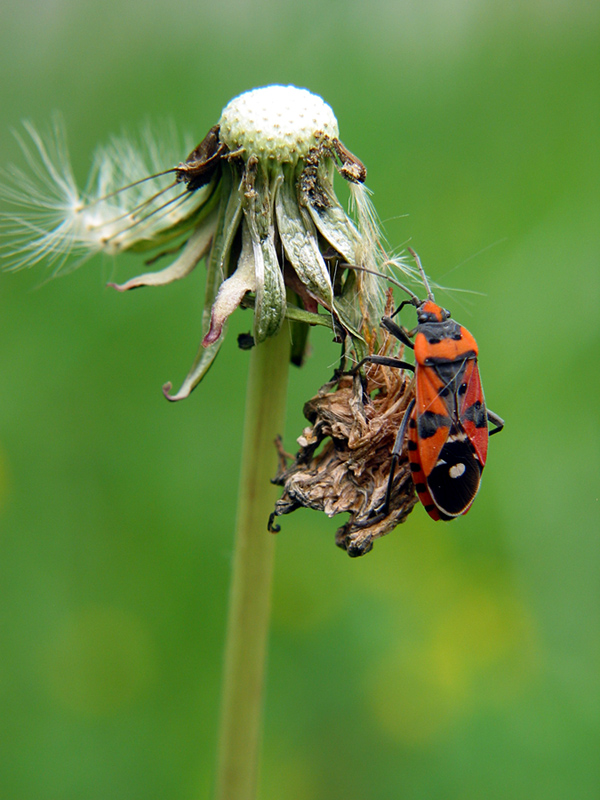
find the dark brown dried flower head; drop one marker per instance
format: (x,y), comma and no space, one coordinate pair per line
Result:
(344,460)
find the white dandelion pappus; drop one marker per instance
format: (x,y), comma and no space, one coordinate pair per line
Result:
(121,209)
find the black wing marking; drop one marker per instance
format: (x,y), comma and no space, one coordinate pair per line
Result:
(454,481)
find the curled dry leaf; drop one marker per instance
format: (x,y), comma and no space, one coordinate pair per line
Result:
(344,460)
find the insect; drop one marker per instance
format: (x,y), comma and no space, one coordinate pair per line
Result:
(446,424)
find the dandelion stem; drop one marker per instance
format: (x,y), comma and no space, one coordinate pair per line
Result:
(250,593)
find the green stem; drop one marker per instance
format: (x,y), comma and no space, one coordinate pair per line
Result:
(250,594)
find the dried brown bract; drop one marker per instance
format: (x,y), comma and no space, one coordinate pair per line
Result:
(344,461)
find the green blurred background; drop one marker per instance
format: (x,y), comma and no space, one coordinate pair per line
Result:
(455,661)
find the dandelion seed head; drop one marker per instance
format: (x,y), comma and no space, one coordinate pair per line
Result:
(282,123)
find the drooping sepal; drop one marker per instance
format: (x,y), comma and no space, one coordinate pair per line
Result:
(193,252)
(232,290)
(217,265)
(270,307)
(299,239)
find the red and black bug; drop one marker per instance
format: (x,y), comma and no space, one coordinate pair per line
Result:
(446,424)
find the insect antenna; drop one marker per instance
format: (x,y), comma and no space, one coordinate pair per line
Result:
(422,272)
(414,299)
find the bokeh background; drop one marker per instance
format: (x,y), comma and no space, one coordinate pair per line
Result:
(455,661)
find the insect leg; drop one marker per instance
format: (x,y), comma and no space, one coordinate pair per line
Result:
(495,420)
(397,330)
(386,361)
(396,452)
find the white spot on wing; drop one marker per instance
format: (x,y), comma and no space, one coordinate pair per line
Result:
(456,470)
